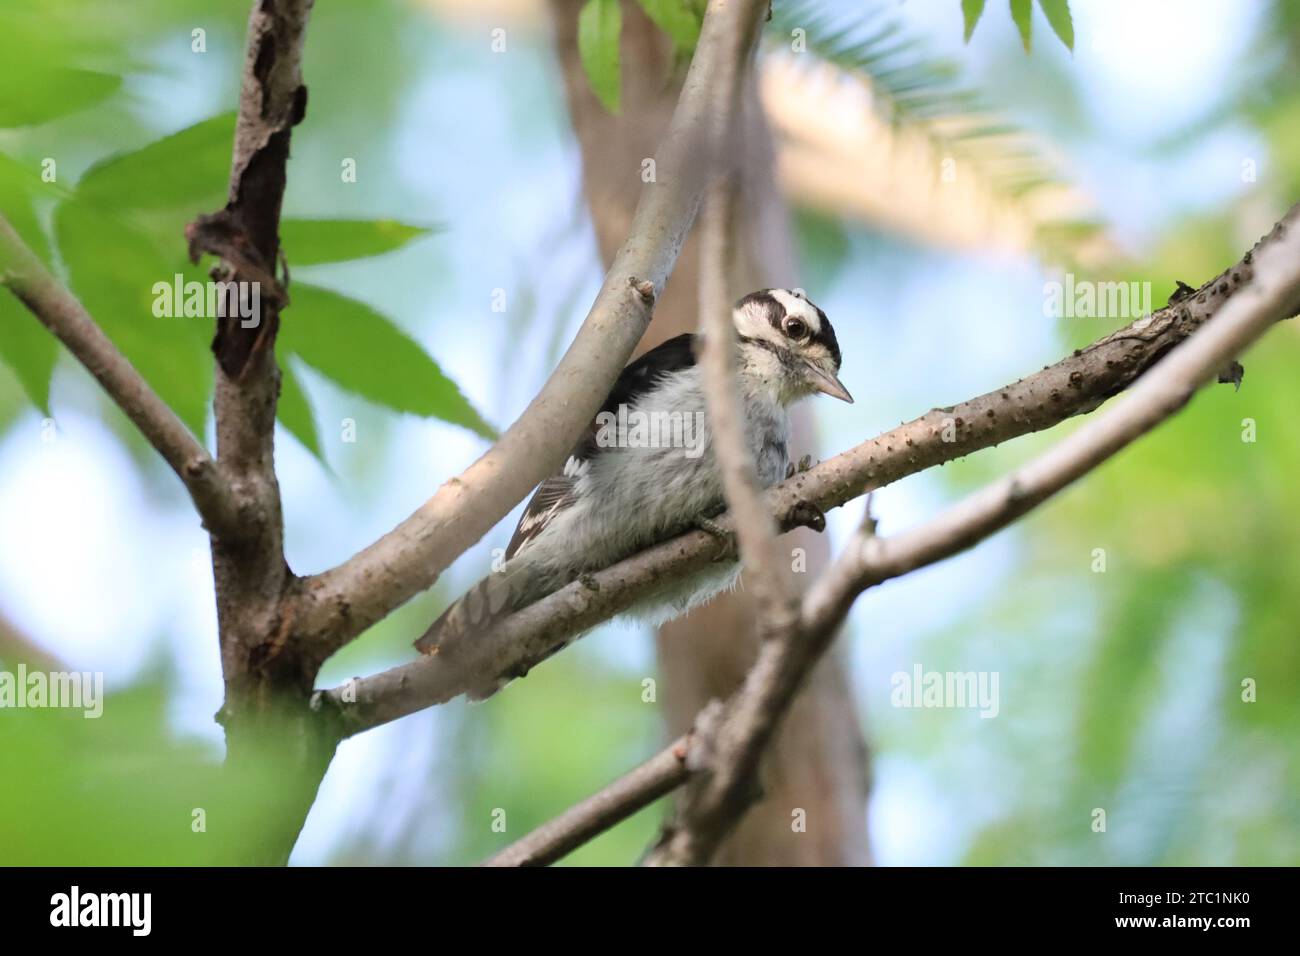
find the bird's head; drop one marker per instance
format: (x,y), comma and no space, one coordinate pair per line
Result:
(792,343)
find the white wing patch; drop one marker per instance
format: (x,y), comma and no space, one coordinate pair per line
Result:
(553,496)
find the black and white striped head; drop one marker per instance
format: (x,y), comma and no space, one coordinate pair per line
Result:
(799,337)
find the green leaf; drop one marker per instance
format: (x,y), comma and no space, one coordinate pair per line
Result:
(1058,16)
(309,242)
(914,90)
(1022,12)
(362,351)
(971,11)
(26,346)
(190,168)
(122,232)
(295,412)
(113,266)
(29,349)
(120,790)
(34,96)
(599,25)
(677,19)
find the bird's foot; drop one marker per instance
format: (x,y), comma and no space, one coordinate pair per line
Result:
(1182,291)
(589,581)
(725,537)
(798,468)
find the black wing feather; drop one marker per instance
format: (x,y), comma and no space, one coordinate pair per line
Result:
(557,492)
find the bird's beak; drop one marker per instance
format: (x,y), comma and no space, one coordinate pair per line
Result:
(825,381)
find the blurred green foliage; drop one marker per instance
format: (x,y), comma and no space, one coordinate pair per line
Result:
(599,25)
(913,89)
(119,790)
(600,28)
(120,229)
(560,735)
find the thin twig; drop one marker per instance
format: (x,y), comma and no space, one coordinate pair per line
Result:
(776,600)
(661,774)
(59,311)
(755,529)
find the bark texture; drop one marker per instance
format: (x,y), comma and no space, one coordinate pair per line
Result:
(272,735)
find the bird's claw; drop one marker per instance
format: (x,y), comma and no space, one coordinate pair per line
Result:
(800,467)
(589,581)
(726,538)
(1182,291)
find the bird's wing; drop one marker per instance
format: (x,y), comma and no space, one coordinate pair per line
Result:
(551,497)
(560,491)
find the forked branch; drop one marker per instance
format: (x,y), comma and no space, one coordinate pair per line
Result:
(1075,385)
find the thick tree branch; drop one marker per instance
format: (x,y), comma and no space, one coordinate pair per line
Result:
(59,311)
(245,235)
(339,604)
(733,738)
(268,670)
(249,567)
(1075,385)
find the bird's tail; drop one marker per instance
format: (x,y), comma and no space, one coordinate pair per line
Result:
(497,596)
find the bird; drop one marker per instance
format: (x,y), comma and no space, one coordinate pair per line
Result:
(645,470)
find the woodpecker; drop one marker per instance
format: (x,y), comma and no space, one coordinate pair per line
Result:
(645,471)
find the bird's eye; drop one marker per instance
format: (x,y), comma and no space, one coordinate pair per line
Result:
(795,328)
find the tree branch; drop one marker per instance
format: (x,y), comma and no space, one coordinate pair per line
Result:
(268,672)
(775,598)
(245,236)
(661,774)
(59,311)
(731,739)
(339,604)
(754,527)
(755,530)
(756,711)
(1077,384)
